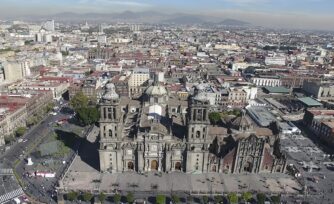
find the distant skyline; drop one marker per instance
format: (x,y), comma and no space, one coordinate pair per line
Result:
(308,14)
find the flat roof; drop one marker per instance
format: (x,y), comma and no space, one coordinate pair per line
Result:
(277,89)
(261,115)
(309,101)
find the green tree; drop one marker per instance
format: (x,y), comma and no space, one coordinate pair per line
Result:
(65,53)
(190,199)
(49,107)
(9,139)
(71,196)
(20,131)
(32,121)
(102,197)
(87,196)
(175,199)
(261,198)
(247,196)
(218,199)
(205,199)
(88,115)
(79,100)
(160,199)
(276,199)
(117,198)
(236,112)
(232,197)
(129,197)
(214,117)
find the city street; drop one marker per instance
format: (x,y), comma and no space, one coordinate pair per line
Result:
(41,189)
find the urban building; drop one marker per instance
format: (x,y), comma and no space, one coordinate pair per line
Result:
(49,25)
(267,81)
(137,79)
(319,90)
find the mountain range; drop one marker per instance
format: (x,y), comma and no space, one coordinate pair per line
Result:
(137,17)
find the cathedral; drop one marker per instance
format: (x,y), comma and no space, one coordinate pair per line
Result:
(160,132)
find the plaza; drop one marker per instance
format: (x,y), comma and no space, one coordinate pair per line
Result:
(82,176)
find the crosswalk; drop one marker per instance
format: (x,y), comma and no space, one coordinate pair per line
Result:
(6,172)
(11,195)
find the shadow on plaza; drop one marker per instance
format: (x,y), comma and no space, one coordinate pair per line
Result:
(318,142)
(87,150)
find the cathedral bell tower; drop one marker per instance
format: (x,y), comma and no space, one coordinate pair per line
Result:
(109,110)
(197,136)
(110,131)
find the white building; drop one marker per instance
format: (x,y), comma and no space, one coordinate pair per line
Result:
(137,78)
(243,65)
(276,60)
(102,39)
(15,70)
(261,81)
(49,25)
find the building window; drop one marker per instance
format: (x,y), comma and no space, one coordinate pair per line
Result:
(198,134)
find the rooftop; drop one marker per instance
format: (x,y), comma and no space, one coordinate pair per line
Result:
(278,89)
(261,115)
(309,101)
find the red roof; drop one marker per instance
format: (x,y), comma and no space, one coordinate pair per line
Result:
(58,79)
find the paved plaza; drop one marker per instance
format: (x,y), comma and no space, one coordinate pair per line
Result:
(84,177)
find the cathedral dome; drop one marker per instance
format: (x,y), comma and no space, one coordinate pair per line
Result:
(110,93)
(201,96)
(156,90)
(242,123)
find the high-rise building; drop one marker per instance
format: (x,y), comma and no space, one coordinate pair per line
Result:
(49,25)
(16,69)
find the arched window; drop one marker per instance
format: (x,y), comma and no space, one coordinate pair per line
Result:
(198,134)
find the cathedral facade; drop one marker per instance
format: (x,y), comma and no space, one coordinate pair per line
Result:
(160,132)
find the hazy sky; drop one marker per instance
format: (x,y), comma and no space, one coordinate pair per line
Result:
(292,13)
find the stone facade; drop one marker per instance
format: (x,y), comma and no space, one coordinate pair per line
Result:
(162,133)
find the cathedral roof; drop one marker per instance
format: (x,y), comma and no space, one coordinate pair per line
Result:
(241,121)
(215,130)
(156,90)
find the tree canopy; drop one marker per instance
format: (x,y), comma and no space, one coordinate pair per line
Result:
(117,198)
(232,197)
(71,196)
(218,199)
(20,131)
(102,197)
(261,198)
(130,198)
(205,199)
(247,196)
(78,101)
(276,199)
(175,199)
(87,196)
(87,115)
(160,199)
(214,117)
